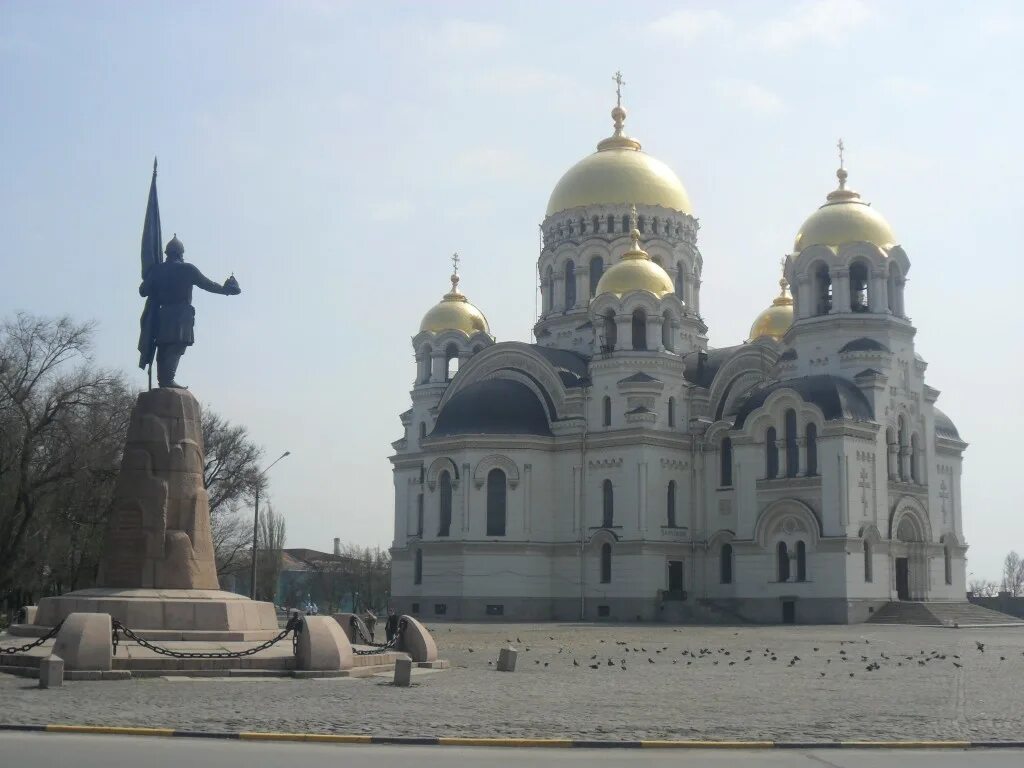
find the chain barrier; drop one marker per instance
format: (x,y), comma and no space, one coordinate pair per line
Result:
(35,643)
(294,625)
(375,648)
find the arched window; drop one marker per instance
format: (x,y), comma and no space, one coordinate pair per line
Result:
(639,329)
(868,564)
(423,430)
(595,224)
(822,290)
(606,412)
(654,225)
(570,285)
(671,412)
(445,516)
(496,498)
(417,573)
(641,223)
(671,505)
(812,449)
(893,448)
(419,515)
(859,301)
(771,454)
(725,464)
(792,448)
(801,561)
(606,563)
(596,270)
(549,291)
(610,224)
(451,355)
(947,561)
(680,281)
(625,224)
(666,332)
(901,461)
(611,333)
(607,504)
(725,564)
(782,556)
(916,475)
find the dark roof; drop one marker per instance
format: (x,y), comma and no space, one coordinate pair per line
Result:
(868,372)
(702,372)
(837,398)
(638,377)
(493,407)
(944,426)
(571,366)
(641,409)
(864,344)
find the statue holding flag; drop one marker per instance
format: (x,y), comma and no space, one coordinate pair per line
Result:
(168,319)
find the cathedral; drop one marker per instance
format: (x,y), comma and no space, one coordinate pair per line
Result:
(620,468)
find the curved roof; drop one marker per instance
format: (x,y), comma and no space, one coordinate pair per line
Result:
(837,398)
(944,426)
(864,344)
(571,366)
(493,407)
(700,367)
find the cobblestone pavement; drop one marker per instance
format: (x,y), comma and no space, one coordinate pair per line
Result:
(746,684)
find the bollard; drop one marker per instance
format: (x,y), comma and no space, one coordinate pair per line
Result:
(507,659)
(51,672)
(403,672)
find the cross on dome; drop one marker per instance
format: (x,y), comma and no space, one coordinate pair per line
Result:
(619,82)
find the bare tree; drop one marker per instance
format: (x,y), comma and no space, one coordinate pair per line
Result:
(62,424)
(983,588)
(270,546)
(1013,574)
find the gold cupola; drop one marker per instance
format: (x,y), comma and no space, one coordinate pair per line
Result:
(776,319)
(844,218)
(635,271)
(454,312)
(620,172)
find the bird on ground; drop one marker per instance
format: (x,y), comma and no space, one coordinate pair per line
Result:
(536,661)
(470,650)
(593,657)
(595,666)
(518,640)
(981,646)
(545,663)
(650,660)
(575,663)
(958,666)
(611,663)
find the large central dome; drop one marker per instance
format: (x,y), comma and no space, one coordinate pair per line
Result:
(619,173)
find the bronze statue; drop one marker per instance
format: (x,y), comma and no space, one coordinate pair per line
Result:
(169,285)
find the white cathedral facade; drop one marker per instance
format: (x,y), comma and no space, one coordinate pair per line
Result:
(620,468)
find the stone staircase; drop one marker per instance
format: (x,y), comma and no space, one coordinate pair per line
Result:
(940,615)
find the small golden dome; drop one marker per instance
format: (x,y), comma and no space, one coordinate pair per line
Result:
(454,313)
(635,272)
(619,172)
(844,218)
(775,321)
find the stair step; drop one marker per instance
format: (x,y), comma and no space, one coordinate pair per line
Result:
(939,614)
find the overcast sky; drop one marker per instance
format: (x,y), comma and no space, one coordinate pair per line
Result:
(332,155)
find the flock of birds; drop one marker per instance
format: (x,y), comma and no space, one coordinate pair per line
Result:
(855,656)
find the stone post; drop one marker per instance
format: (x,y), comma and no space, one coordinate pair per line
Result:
(780,449)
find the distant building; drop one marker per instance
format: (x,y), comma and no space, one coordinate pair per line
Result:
(620,468)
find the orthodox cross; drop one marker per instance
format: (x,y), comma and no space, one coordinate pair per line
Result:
(455,262)
(841,147)
(865,483)
(619,82)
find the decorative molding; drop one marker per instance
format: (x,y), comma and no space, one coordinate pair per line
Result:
(496,461)
(604,463)
(675,464)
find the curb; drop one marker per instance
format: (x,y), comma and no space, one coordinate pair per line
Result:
(458,741)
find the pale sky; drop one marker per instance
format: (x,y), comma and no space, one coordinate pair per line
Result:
(333,155)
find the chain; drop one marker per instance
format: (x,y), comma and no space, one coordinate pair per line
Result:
(35,643)
(375,648)
(294,625)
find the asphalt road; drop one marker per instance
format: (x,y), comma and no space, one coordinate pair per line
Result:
(46,750)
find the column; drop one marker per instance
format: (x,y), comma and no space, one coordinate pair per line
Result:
(780,447)
(466,482)
(803,297)
(878,292)
(559,291)
(641,507)
(905,463)
(624,331)
(840,291)
(802,445)
(526,487)
(438,366)
(654,332)
(893,463)
(582,285)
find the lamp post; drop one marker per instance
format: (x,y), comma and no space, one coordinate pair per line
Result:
(256,525)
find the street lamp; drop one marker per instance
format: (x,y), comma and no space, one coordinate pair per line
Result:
(256,524)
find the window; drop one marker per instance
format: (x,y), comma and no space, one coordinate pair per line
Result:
(641,223)
(801,561)
(606,563)
(639,329)
(792,449)
(901,466)
(859,287)
(725,564)
(417,573)
(625,224)
(915,460)
(414,609)
(423,430)
(671,511)
(868,564)
(445,483)
(822,290)
(812,450)
(549,291)
(496,497)
(570,285)
(671,412)
(419,515)
(771,454)
(610,224)
(666,332)
(596,270)
(893,450)
(725,460)
(440,609)
(607,505)
(451,356)
(495,610)
(947,561)
(680,281)
(606,411)
(782,555)
(595,225)
(611,333)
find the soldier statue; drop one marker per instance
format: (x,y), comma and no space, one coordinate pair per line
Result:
(169,317)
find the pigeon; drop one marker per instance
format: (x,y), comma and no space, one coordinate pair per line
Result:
(489,663)
(536,661)
(593,657)
(822,674)
(518,640)
(650,660)
(958,666)
(575,663)
(470,650)
(981,646)
(610,663)
(595,666)
(815,649)
(545,663)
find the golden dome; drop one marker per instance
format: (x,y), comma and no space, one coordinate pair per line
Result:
(844,218)
(635,272)
(775,321)
(454,313)
(619,172)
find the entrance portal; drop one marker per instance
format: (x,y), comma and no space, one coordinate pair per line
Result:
(789,612)
(902,578)
(675,575)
